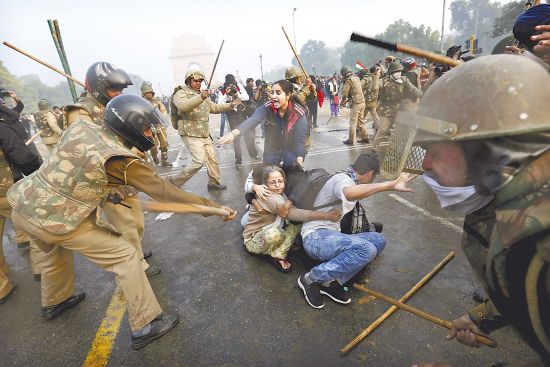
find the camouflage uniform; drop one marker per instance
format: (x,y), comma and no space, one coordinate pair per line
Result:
(392,94)
(193,115)
(370,85)
(60,207)
(352,90)
(47,122)
(508,246)
(160,134)
(128,217)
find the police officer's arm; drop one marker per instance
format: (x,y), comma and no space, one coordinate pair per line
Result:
(162,109)
(73,114)
(275,204)
(486,317)
(361,191)
(412,91)
(133,172)
(52,123)
(16,152)
(302,94)
(375,85)
(345,91)
(184,104)
(218,108)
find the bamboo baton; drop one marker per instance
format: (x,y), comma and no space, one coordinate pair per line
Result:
(215,64)
(362,335)
(33,138)
(294,51)
(43,63)
(415,311)
(157,206)
(355,37)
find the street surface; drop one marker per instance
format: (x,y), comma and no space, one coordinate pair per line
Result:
(237,310)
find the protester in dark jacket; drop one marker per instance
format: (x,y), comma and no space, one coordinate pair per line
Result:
(285,123)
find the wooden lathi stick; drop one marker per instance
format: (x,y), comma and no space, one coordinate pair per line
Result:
(33,138)
(363,334)
(157,206)
(426,316)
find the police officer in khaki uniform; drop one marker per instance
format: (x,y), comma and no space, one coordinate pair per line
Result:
(488,158)
(352,91)
(192,110)
(103,82)
(370,83)
(60,207)
(160,136)
(47,123)
(394,88)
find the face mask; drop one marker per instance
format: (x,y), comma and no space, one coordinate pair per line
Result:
(461,200)
(396,76)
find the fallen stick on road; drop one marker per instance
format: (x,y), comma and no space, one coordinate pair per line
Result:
(363,334)
(426,316)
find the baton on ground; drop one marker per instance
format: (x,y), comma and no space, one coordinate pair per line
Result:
(43,63)
(355,37)
(33,138)
(415,311)
(157,206)
(295,53)
(363,334)
(215,64)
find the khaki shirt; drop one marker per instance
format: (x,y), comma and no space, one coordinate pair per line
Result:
(352,90)
(52,132)
(194,112)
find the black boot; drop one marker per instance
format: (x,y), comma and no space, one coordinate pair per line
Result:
(159,327)
(51,312)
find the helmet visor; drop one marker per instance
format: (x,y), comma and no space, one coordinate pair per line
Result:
(158,118)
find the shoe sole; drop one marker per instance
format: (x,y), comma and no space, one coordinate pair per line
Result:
(152,273)
(305,295)
(336,299)
(142,344)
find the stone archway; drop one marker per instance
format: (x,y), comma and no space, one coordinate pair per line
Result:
(190,51)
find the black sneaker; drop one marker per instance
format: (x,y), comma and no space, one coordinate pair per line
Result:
(51,312)
(216,187)
(159,327)
(311,292)
(347,142)
(336,292)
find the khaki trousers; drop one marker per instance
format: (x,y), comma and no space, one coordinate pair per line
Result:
(130,222)
(375,117)
(104,248)
(202,154)
(160,142)
(37,256)
(356,122)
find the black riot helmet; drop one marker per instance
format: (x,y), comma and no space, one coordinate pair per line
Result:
(102,76)
(128,116)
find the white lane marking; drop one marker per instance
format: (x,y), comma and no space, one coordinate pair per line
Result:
(426,213)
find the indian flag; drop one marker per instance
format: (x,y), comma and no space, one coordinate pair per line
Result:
(359,66)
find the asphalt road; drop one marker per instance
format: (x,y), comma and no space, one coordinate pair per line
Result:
(237,310)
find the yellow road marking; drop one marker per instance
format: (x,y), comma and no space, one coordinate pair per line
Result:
(107,332)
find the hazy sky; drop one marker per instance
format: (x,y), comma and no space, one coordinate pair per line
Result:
(137,35)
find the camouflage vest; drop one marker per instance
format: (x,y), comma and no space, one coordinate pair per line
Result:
(42,123)
(6,176)
(71,183)
(355,93)
(195,122)
(391,95)
(520,210)
(88,106)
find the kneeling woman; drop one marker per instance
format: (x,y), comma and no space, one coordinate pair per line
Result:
(265,233)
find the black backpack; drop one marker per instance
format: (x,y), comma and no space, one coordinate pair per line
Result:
(304,186)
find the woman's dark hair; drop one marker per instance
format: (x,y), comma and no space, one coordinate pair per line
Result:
(289,89)
(270,169)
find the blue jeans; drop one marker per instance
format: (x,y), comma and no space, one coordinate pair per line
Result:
(343,254)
